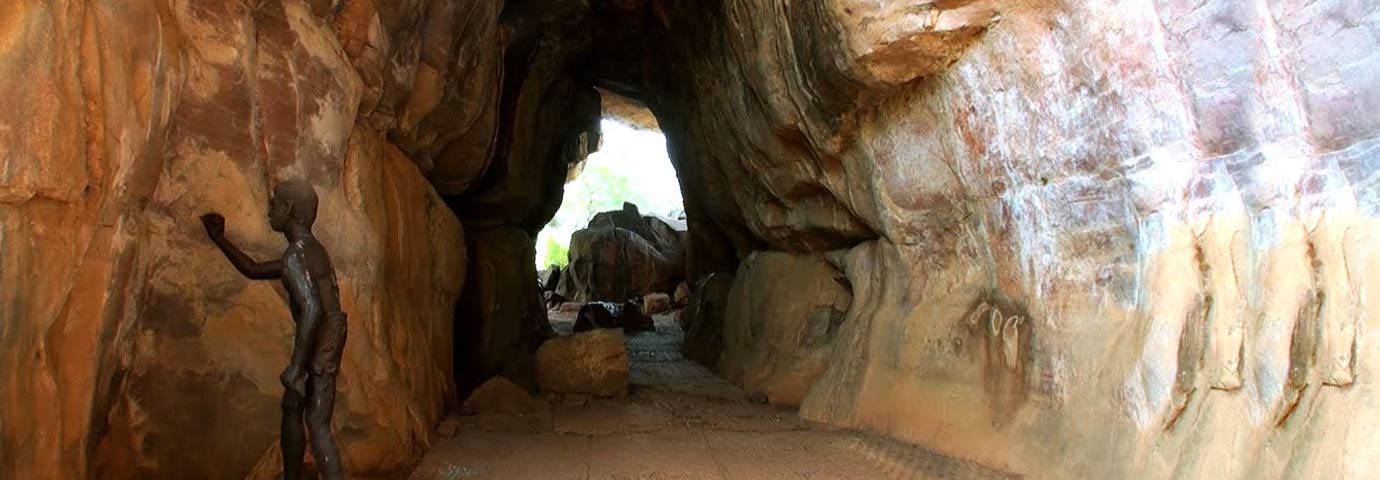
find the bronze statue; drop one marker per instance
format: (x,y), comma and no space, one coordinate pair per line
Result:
(314,298)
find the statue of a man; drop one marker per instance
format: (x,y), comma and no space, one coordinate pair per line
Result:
(305,270)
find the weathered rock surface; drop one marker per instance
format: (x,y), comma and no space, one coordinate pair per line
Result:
(682,295)
(1145,213)
(547,123)
(598,315)
(500,396)
(127,337)
(781,318)
(623,255)
(627,110)
(593,362)
(129,119)
(552,300)
(550,278)
(501,319)
(1152,214)
(703,320)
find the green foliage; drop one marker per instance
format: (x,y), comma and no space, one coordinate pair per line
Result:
(556,252)
(600,189)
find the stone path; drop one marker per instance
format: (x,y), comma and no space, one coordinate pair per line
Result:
(679,422)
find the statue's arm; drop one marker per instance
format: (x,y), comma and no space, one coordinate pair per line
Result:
(215,227)
(303,289)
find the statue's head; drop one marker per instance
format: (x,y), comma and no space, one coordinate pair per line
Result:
(293,203)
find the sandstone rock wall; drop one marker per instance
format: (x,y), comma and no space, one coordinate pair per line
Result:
(1084,238)
(548,122)
(137,351)
(501,319)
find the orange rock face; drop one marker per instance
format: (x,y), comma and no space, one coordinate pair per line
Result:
(138,351)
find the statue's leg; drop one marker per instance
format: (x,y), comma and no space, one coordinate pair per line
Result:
(325,364)
(294,439)
(319,408)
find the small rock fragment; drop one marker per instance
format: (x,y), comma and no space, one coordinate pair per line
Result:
(594,362)
(758,398)
(575,400)
(654,303)
(449,427)
(682,296)
(498,395)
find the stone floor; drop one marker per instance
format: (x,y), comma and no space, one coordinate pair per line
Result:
(679,422)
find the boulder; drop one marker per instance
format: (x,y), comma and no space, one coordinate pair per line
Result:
(634,321)
(598,315)
(627,316)
(623,254)
(448,428)
(783,313)
(593,362)
(498,395)
(655,303)
(703,320)
(550,278)
(682,295)
(552,300)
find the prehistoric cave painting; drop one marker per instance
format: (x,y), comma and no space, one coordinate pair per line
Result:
(1303,355)
(1193,341)
(1208,353)
(1003,331)
(1322,343)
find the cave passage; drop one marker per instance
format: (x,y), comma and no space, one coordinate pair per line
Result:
(677,420)
(1074,239)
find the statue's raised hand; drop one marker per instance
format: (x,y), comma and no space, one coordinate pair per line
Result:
(215,225)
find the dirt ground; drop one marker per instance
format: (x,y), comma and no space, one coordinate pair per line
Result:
(678,422)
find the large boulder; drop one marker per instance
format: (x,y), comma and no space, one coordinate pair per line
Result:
(622,255)
(627,316)
(550,278)
(593,362)
(703,320)
(782,316)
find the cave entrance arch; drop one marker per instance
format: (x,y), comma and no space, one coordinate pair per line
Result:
(620,234)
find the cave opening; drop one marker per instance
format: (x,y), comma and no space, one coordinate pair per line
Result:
(631,166)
